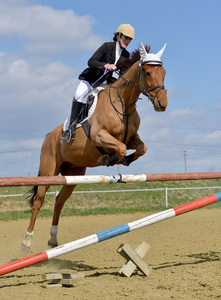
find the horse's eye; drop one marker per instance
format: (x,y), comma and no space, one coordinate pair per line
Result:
(147,73)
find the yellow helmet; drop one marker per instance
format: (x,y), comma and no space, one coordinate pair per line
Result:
(126,29)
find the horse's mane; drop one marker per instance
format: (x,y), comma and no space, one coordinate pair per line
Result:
(134,57)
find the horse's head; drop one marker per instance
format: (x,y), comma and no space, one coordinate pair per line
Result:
(151,77)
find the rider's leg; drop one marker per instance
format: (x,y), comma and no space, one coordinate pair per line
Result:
(70,133)
(82,90)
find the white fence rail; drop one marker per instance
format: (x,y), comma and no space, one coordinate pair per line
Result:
(166,189)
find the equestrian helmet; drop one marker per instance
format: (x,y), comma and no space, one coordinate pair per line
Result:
(126,29)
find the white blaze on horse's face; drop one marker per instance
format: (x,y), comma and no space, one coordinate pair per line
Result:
(150,58)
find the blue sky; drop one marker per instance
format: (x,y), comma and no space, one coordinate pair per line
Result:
(44,45)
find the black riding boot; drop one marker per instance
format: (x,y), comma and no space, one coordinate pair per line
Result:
(70,133)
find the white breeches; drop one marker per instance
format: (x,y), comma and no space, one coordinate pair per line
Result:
(82,90)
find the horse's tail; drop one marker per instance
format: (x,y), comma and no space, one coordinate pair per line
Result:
(32,192)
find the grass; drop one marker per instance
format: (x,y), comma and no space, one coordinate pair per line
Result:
(13,208)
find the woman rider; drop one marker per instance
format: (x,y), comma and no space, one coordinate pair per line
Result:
(109,57)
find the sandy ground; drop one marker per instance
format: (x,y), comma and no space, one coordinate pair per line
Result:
(185,257)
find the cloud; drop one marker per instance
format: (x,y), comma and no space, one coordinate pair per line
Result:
(174,94)
(28,81)
(217,106)
(42,29)
(36,89)
(210,139)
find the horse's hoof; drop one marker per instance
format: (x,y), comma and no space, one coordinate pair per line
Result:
(102,160)
(52,243)
(26,244)
(111,159)
(24,247)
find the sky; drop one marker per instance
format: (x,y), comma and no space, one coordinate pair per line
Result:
(44,46)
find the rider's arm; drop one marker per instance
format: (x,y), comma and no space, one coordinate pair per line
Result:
(100,58)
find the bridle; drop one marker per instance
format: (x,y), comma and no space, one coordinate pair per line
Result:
(145,91)
(145,88)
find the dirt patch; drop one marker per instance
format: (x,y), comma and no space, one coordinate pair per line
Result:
(185,256)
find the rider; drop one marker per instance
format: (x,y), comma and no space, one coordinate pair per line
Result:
(109,57)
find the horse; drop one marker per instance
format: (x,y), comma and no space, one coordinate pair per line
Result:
(113,130)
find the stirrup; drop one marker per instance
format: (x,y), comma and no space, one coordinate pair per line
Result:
(66,136)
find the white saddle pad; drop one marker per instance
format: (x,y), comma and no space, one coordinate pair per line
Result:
(91,110)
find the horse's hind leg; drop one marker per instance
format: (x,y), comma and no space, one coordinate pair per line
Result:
(64,194)
(48,167)
(37,203)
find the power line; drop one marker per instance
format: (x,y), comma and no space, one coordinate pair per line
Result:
(24,130)
(147,142)
(149,126)
(186,128)
(14,151)
(178,144)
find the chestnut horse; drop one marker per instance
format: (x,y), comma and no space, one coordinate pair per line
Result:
(113,128)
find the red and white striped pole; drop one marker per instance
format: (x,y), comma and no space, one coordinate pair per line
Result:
(107,234)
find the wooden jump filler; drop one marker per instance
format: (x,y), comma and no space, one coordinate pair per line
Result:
(63,278)
(134,259)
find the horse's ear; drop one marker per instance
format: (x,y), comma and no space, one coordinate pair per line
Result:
(143,53)
(160,53)
(150,58)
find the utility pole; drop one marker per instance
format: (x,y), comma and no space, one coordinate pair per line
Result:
(185,159)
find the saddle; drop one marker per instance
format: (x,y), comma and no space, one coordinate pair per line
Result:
(85,115)
(86,112)
(82,121)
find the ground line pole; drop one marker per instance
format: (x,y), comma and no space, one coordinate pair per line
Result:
(107,234)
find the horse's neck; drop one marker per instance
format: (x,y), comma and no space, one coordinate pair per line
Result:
(129,92)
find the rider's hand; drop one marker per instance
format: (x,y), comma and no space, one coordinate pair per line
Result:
(110,67)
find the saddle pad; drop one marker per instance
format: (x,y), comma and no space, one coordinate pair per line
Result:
(95,93)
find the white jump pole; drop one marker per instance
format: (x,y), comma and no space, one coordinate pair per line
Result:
(92,179)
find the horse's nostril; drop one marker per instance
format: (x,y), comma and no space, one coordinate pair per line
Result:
(159,103)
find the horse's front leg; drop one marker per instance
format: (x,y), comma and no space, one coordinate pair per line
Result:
(106,141)
(134,143)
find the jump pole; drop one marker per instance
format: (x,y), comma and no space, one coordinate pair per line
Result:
(91,179)
(107,234)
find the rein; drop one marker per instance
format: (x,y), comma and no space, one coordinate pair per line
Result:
(145,91)
(125,114)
